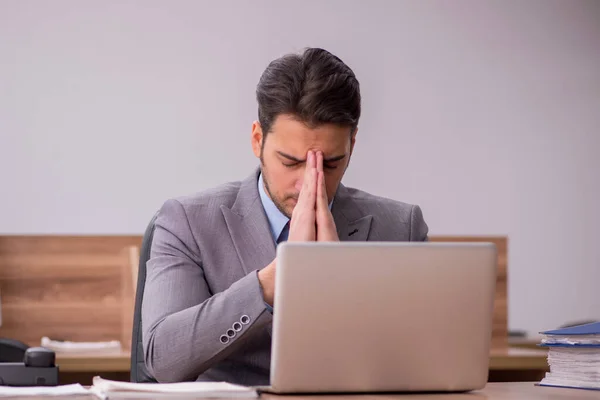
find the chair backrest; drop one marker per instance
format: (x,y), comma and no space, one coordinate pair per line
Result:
(139,373)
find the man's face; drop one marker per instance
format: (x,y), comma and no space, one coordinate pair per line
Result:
(283,157)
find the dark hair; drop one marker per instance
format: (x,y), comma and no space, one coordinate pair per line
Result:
(316,87)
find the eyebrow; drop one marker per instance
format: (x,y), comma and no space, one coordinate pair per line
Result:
(297,160)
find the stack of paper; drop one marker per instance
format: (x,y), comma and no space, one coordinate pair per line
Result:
(105,388)
(113,346)
(573,357)
(60,391)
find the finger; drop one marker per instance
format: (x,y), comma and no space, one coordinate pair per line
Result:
(321,192)
(311,179)
(311,191)
(308,171)
(306,181)
(311,161)
(320,161)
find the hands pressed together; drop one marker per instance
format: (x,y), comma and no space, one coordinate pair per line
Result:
(311,219)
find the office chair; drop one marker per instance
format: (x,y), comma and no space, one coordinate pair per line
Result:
(139,372)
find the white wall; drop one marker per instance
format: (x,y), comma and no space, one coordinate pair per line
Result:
(486,113)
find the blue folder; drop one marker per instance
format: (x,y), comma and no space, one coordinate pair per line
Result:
(579,345)
(585,329)
(566,387)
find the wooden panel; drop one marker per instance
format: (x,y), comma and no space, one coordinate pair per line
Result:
(40,265)
(73,287)
(500,322)
(129,273)
(63,287)
(61,321)
(58,244)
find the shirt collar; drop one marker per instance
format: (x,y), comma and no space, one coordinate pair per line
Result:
(277,220)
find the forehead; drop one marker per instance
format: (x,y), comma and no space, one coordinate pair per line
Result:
(293,136)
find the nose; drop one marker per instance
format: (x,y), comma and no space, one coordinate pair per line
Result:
(299,183)
(299,179)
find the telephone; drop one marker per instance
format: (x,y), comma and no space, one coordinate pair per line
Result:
(37,369)
(12,350)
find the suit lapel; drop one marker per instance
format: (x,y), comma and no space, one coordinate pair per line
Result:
(251,235)
(351,224)
(249,227)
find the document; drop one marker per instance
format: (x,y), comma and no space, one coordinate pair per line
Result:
(104,388)
(573,357)
(64,390)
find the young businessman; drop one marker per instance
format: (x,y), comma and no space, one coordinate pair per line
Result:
(209,289)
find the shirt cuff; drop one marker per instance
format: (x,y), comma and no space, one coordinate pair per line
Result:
(269,308)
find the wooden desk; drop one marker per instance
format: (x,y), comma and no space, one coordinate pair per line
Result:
(504,359)
(493,391)
(505,365)
(81,368)
(529,342)
(518,359)
(118,362)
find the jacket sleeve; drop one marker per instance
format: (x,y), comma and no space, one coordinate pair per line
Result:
(185,328)
(418,227)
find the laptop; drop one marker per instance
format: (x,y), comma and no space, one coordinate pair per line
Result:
(359,317)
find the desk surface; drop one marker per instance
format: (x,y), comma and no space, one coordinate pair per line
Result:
(500,359)
(518,359)
(493,391)
(528,342)
(93,362)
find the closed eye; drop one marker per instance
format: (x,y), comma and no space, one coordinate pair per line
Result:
(292,165)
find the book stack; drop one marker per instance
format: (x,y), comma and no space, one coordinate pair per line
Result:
(573,357)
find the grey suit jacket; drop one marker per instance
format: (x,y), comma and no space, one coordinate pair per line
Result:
(202,278)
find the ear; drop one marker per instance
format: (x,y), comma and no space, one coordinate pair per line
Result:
(256,138)
(353,140)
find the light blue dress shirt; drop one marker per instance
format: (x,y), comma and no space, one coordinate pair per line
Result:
(278,222)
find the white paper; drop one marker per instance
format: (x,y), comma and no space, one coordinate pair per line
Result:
(572,339)
(113,346)
(573,367)
(198,389)
(65,390)
(577,383)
